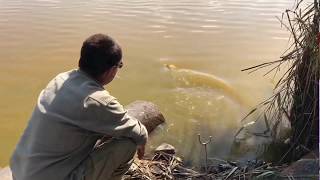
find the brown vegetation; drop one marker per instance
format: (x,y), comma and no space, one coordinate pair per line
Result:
(296,94)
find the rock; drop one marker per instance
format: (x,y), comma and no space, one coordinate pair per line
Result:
(167,148)
(156,170)
(303,167)
(224,167)
(312,155)
(147,113)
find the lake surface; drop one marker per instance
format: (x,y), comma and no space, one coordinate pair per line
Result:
(40,38)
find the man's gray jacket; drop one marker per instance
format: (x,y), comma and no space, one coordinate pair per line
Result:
(71,114)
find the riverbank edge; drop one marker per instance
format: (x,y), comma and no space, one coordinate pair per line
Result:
(305,168)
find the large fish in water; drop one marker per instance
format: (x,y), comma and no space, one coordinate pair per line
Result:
(192,78)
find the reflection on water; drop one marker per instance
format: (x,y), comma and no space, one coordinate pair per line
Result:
(40,38)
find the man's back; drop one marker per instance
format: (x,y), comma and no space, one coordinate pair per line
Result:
(72,112)
(52,137)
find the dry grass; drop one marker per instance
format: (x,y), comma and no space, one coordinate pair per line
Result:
(295,97)
(165,166)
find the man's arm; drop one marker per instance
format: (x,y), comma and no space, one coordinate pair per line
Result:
(111,119)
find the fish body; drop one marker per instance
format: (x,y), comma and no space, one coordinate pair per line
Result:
(192,78)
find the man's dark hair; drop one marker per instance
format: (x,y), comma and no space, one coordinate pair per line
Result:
(99,53)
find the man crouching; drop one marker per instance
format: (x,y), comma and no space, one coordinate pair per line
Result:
(72,114)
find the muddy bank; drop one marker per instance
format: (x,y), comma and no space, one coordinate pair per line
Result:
(164,164)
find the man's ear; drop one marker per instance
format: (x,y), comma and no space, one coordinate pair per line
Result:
(104,74)
(108,72)
(114,70)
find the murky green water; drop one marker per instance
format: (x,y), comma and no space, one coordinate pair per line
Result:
(40,38)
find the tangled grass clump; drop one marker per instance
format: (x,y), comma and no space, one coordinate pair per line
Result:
(296,94)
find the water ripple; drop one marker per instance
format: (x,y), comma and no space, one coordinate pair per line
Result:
(218,36)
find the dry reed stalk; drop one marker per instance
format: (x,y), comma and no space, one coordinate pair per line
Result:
(295,95)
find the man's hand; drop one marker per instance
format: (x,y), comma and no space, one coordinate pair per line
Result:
(140,151)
